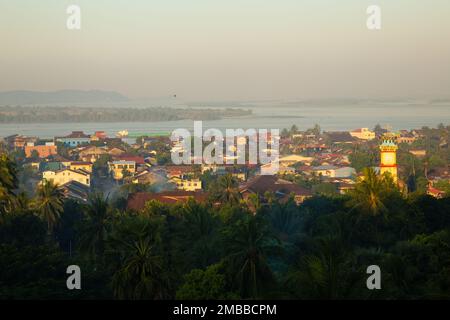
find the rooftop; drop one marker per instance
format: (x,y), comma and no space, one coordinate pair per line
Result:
(137,201)
(263,183)
(77,134)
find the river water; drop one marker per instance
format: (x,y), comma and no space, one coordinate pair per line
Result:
(268,115)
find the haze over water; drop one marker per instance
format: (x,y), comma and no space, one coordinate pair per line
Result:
(267,115)
(235,50)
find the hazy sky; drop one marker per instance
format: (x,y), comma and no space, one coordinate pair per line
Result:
(228,49)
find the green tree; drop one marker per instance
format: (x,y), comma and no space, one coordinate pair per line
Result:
(435,161)
(49,203)
(34,155)
(100,167)
(361,159)
(444,186)
(8,183)
(248,244)
(155,208)
(317,130)
(270,197)
(326,273)
(327,189)
(253,202)
(294,129)
(208,284)
(200,234)
(379,131)
(139,276)
(23,230)
(163,158)
(94,228)
(284,219)
(371,192)
(226,190)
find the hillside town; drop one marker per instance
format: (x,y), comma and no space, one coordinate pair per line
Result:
(311,162)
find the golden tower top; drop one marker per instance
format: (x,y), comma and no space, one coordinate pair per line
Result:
(389,142)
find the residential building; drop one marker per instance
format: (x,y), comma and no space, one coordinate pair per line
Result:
(92,153)
(293,159)
(35,165)
(283,169)
(149,177)
(419,153)
(339,137)
(64,176)
(406,137)
(334,171)
(75,139)
(363,134)
(81,165)
(280,188)
(99,135)
(181,171)
(344,187)
(118,168)
(76,191)
(125,157)
(18,142)
(115,152)
(187,184)
(50,166)
(239,172)
(43,151)
(138,200)
(271,168)
(310,147)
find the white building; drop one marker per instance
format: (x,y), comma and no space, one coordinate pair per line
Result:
(363,134)
(187,184)
(334,172)
(67,175)
(294,158)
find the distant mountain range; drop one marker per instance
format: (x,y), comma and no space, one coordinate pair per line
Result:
(22,97)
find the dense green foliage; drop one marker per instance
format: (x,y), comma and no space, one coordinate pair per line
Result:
(222,249)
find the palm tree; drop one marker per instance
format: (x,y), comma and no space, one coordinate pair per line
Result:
(285,219)
(139,277)
(248,244)
(227,190)
(199,221)
(369,193)
(253,202)
(49,203)
(22,203)
(98,214)
(270,197)
(8,182)
(326,273)
(199,232)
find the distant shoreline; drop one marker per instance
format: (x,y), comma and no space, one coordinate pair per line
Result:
(330,118)
(51,115)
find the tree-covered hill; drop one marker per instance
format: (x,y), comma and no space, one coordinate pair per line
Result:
(72,114)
